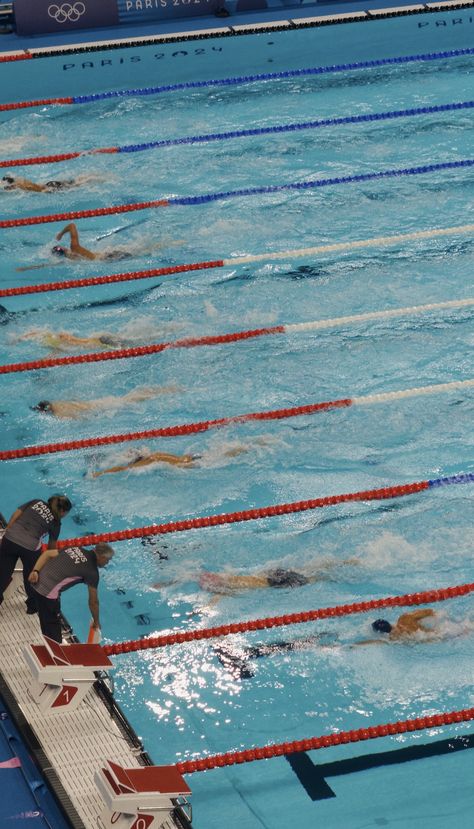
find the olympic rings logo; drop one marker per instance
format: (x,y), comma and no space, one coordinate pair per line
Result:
(67,12)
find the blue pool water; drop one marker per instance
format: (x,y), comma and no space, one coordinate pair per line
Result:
(183,701)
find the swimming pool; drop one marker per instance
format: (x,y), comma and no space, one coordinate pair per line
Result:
(185,701)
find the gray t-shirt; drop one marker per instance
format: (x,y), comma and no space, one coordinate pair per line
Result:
(35,522)
(71,566)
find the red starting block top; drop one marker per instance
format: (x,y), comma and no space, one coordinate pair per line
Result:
(85,656)
(146,779)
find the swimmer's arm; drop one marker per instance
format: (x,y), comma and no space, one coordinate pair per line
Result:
(44,557)
(110,470)
(422,614)
(76,247)
(72,230)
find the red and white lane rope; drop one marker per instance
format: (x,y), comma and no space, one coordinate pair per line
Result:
(375,241)
(249,755)
(257,513)
(205,425)
(238,336)
(406,600)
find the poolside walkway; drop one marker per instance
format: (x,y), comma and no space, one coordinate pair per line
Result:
(72,746)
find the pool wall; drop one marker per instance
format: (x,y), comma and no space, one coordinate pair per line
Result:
(42,71)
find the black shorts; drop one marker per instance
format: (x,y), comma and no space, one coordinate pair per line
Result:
(286,578)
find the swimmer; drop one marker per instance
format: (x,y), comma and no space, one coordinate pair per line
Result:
(78,251)
(144,459)
(225,584)
(237,660)
(230,584)
(17,183)
(407,627)
(64,341)
(75,409)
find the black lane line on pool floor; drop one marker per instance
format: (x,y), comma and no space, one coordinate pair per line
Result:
(312,775)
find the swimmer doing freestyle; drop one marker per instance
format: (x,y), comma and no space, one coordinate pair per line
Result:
(78,253)
(18,183)
(75,409)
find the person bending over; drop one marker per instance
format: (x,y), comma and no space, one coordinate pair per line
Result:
(75,409)
(57,571)
(23,537)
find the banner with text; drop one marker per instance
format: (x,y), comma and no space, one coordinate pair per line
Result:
(144,11)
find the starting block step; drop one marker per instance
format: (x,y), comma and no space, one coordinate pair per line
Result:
(140,798)
(62,675)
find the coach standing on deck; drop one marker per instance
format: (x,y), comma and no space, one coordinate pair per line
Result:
(25,531)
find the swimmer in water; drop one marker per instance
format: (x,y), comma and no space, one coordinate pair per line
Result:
(148,459)
(17,183)
(237,661)
(78,251)
(230,584)
(75,409)
(64,341)
(408,626)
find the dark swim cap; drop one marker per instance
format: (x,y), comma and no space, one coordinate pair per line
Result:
(381,626)
(58,250)
(42,406)
(8,179)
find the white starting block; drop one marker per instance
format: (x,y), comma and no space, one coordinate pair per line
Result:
(63,674)
(140,798)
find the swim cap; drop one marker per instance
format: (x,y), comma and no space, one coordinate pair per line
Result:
(58,250)
(8,179)
(381,626)
(42,406)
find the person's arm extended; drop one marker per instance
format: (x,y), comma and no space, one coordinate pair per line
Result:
(110,470)
(94,607)
(44,557)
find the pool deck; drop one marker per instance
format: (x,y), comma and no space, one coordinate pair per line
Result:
(68,747)
(324,12)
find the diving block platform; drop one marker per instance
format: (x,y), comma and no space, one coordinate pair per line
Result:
(62,675)
(139,798)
